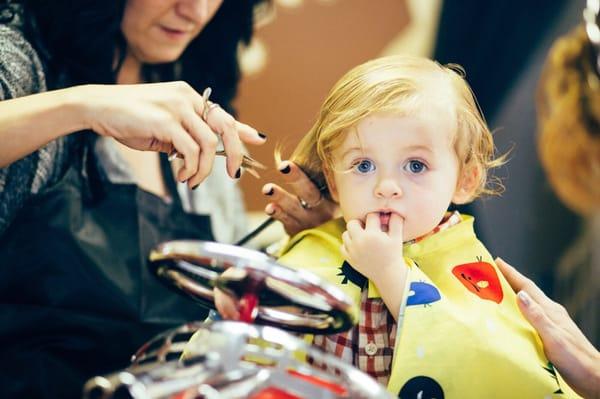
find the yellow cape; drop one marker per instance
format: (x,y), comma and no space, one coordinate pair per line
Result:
(460,332)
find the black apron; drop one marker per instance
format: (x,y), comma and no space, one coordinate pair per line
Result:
(76,297)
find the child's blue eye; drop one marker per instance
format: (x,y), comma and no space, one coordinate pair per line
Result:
(416,167)
(364,166)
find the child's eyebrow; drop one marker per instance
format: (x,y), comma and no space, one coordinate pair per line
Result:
(413,147)
(351,149)
(419,147)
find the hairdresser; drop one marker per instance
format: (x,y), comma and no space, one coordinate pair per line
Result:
(93,96)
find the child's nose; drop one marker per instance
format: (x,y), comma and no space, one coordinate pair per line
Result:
(388,188)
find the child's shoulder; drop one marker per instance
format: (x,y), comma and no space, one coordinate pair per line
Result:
(328,233)
(321,242)
(444,238)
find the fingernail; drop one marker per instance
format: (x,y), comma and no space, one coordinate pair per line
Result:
(262,135)
(195,187)
(270,192)
(285,170)
(269,210)
(238,173)
(524,298)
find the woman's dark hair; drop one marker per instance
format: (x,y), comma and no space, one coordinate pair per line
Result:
(78,39)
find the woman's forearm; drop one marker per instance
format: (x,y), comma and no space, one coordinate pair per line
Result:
(28,123)
(145,117)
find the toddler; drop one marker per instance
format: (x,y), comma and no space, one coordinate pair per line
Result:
(398,140)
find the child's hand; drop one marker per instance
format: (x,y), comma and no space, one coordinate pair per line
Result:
(372,251)
(378,256)
(226,305)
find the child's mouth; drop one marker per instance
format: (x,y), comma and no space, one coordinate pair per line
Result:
(384,220)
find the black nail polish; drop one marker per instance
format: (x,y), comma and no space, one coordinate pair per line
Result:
(238,173)
(196,186)
(270,192)
(285,170)
(262,136)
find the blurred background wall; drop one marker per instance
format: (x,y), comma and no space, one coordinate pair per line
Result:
(304,46)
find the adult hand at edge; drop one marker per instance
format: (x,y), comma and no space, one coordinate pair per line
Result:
(285,205)
(564,344)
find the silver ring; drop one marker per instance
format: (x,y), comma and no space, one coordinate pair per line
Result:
(306,205)
(205,108)
(172,155)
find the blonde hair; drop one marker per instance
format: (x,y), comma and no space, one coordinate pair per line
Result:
(400,85)
(568,109)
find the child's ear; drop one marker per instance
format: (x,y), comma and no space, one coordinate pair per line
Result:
(468,181)
(330,183)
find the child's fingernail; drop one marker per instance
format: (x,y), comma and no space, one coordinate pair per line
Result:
(269,209)
(524,298)
(195,187)
(238,173)
(285,170)
(270,192)
(262,135)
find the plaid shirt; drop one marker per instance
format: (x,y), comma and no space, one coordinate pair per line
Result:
(369,346)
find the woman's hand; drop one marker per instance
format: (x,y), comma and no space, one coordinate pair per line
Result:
(564,344)
(166,117)
(286,206)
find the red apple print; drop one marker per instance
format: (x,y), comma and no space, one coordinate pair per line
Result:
(481,279)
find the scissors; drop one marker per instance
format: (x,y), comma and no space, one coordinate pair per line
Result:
(250,164)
